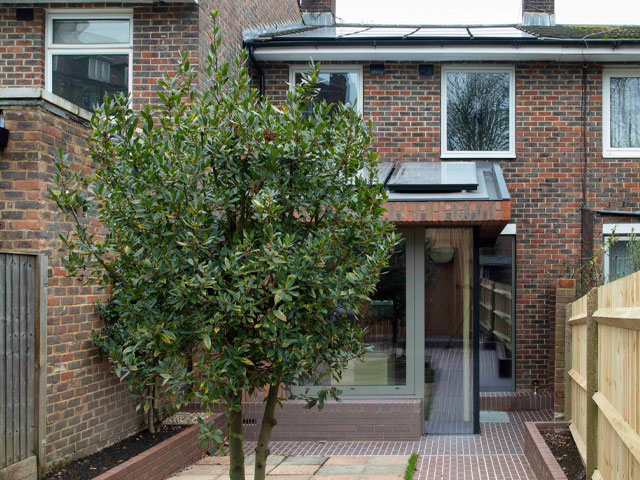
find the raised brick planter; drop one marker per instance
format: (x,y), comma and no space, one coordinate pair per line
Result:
(165,458)
(537,451)
(367,419)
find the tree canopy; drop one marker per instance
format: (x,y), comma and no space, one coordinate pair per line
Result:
(236,236)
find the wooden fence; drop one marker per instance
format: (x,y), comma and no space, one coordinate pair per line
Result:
(603,365)
(495,310)
(23,328)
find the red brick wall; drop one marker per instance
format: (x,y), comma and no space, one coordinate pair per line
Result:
(544,180)
(87,407)
(538,6)
(159,34)
(316,6)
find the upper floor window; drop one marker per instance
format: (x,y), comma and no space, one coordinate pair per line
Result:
(336,84)
(478,112)
(89,54)
(621,113)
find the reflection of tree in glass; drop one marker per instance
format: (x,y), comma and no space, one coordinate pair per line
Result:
(625,112)
(477,111)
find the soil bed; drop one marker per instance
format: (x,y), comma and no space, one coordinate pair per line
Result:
(564,449)
(89,467)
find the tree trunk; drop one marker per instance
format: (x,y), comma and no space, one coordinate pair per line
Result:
(268,422)
(236,464)
(151,421)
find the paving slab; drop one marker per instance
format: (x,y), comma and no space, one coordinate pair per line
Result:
(304,460)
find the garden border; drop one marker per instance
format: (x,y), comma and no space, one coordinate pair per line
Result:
(165,458)
(538,453)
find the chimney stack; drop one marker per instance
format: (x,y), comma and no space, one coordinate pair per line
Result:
(538,12)
(318,12)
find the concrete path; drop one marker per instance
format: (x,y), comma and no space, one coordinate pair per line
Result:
(386,467)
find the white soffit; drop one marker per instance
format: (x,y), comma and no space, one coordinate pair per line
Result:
(621,228)
(448,53)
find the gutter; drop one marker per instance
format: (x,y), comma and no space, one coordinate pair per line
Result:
(378,50)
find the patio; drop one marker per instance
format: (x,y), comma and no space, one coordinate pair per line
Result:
(495,454)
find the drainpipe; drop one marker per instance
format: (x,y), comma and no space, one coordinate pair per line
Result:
(254,62)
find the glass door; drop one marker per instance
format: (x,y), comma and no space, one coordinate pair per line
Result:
(448,262)
(389,367)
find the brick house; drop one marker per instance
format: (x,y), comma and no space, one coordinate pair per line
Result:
(124,46)
(538,127)
(508,153)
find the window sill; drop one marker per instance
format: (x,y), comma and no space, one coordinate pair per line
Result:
(478,155)
(631,153)
(37,93)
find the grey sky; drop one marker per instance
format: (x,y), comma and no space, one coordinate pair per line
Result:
(483,11)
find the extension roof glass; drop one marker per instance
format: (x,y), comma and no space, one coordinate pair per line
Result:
(433,177)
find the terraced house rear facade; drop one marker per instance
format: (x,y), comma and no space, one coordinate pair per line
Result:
(509,153)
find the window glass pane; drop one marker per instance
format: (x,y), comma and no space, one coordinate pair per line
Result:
(625,112)
(619,261)
(477,111)
(91,31)
(84,79)
(497,315)
(336,87)
(385,319)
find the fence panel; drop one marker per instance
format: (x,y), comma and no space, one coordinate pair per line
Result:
(617,398)
(578,373)
(22,327)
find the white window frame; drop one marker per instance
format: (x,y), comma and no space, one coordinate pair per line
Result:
(622,231)
(511,70)
(87,49)
(607,150)
(293,70)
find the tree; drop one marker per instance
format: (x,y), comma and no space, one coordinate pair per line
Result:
(237,233)
(477,111)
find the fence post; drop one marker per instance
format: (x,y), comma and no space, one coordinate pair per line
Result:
(565,294)
(40,297)
(568,337)
(591,439)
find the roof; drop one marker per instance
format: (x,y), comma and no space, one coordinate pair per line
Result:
(489,182)
(424,34)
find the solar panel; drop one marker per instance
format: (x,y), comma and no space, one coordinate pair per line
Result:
(384,32)
(441,32)
(324,32)
(433,177)
(498,32)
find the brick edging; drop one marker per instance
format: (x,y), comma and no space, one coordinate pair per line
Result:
(165,458)
(542,462)
(515,401)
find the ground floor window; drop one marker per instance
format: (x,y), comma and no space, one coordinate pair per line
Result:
(619,259)
(497,315)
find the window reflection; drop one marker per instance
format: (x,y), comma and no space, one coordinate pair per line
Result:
(497,315)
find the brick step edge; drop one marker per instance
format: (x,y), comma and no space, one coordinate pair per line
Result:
(515,401)
(165,458)
(541,460)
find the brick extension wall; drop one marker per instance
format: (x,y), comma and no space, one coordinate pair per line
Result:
(350,419)
(544,180)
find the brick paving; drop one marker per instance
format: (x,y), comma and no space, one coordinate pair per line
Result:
(496,454)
